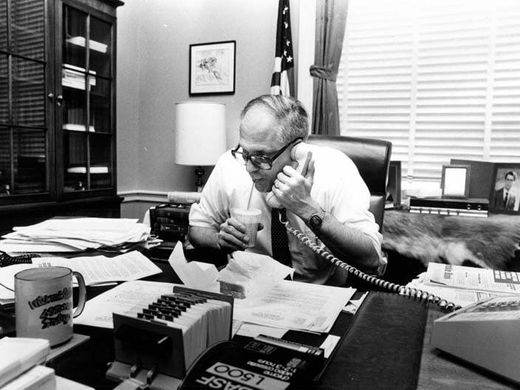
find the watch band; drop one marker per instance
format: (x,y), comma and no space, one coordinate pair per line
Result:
(316,219)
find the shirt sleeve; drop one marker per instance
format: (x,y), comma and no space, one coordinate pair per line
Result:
(212,208)
(347,198)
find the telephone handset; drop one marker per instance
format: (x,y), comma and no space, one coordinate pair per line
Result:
(299,154)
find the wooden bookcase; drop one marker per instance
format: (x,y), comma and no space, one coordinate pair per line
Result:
(57,109)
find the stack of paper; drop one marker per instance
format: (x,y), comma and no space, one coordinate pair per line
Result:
(288,305)
(466,285)
(276,303)
(95,270)
(295,305)
(74,234)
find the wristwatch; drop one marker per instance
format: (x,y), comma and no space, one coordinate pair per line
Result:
(316,220)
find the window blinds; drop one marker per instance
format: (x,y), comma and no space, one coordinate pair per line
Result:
(440,79)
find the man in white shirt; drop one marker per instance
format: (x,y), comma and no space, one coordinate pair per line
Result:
(328,201)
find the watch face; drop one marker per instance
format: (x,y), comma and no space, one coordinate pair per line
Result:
(315,221)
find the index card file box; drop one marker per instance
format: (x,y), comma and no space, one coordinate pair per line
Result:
(165,337)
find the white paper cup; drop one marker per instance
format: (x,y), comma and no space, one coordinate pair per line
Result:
(250,218)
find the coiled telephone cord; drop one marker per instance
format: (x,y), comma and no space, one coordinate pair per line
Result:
(412,292)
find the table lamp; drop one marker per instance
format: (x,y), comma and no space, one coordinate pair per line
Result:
(200,135)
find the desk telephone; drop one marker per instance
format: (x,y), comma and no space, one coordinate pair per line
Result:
(301,154)
(485,333)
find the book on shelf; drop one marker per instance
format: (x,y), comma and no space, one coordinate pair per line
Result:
(74,77)
(19,354)
(472,207)
(77,127)
(94,45)
(93,170)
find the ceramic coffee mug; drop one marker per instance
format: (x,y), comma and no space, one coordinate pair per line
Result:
(43,303)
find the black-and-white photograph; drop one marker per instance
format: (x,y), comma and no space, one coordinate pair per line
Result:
(505,195)
(268,194)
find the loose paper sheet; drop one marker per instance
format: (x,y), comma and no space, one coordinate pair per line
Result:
(100,269)
(254,330)
(96,269)
(253,272)
(202,276)
(295,305)
(471,278)
(121,299)
(21,246)
(457,296)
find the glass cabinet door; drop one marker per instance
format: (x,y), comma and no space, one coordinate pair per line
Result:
(87,112)
(24,138)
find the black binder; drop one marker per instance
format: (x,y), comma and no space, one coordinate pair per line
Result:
(382,349)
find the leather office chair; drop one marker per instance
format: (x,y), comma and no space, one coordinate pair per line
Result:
(372,158)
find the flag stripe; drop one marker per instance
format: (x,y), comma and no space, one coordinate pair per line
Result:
(282,81)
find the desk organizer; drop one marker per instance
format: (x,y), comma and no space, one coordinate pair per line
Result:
(156,344)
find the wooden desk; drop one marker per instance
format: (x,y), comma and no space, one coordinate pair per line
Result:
(437,370)
(88,363)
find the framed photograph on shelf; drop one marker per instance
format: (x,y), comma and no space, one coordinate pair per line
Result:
(393,188)
(455,181)
(212,68)
(480,178)
(505,192)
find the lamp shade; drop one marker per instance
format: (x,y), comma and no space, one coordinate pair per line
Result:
(200,133)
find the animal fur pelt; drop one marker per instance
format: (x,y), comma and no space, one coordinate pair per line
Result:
(491,242)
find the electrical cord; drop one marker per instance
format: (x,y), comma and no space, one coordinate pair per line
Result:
(6,259)
(412,292)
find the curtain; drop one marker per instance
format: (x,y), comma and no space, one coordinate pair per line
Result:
(331,18)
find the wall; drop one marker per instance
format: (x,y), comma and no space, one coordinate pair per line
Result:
(153,54)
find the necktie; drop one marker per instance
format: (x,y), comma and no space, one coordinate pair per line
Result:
(279,242)
(505,198)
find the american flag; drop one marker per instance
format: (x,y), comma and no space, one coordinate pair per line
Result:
(282,82)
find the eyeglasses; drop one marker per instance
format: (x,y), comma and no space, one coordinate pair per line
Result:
(260,161)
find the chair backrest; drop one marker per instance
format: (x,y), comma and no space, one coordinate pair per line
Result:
(372,158)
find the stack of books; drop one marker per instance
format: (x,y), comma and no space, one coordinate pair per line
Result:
(469,207)
(74,77)
(170,221)
(22,366)
(20,360)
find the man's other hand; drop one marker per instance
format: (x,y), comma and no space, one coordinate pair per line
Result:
(232,235)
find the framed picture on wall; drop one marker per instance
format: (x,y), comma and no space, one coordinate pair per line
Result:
(212,68)
(505,193)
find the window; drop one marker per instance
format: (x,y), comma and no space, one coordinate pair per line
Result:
(438,78)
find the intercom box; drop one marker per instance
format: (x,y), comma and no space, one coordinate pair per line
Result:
(170,221)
